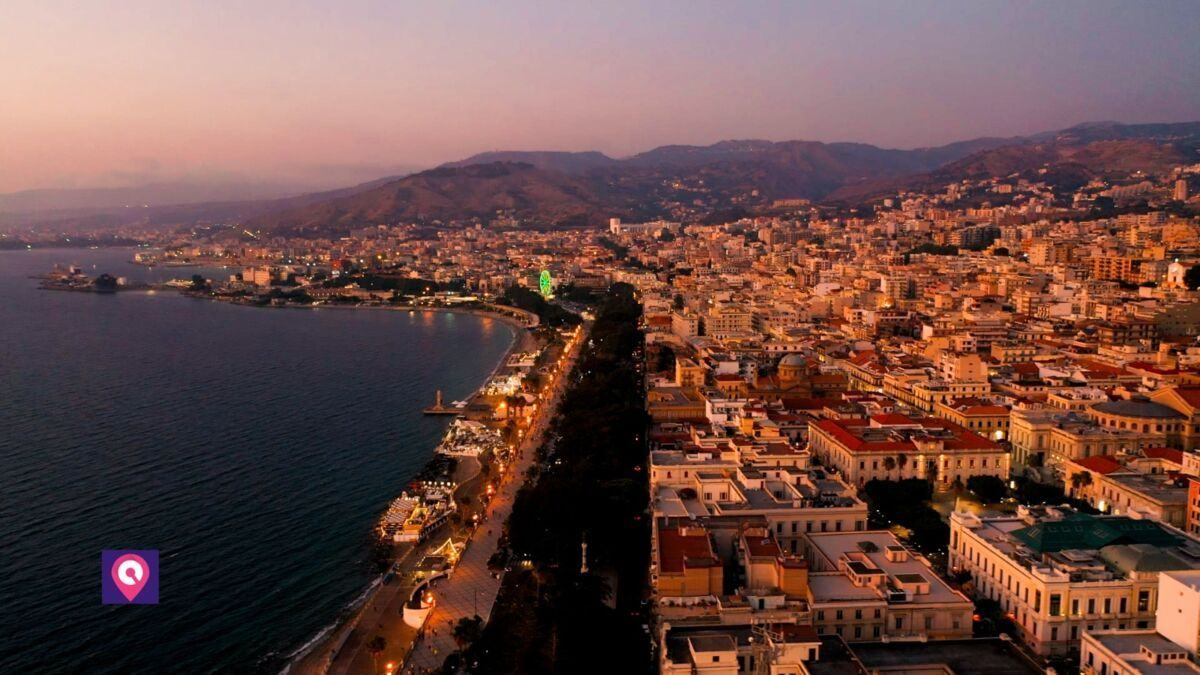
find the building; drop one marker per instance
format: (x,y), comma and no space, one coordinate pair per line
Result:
(1150,487)
(1168,649)
(866,586)
(688,373)
(685,564)
(984,417)
(896,447)
(1058,573)
(732,650)
(1053,437)
(720,491)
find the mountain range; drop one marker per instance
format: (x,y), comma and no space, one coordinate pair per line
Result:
(679,181)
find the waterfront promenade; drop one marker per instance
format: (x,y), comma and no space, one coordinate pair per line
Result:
(470,588)
(473,588)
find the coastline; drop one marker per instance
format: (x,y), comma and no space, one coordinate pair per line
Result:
(315,654)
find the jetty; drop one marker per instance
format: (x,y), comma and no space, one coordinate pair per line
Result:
(439,408)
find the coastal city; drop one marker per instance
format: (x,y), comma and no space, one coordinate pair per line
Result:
(651,338)
(958,428)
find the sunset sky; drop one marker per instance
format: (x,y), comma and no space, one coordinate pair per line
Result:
(324,93)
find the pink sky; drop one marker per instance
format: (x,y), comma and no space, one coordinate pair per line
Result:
(118,93)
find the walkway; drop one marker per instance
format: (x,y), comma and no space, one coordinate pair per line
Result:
(472,589)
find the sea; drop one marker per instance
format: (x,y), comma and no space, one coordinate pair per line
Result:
(253,448)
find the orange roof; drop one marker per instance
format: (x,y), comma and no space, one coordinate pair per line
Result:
(1101,464)
(1169,454)
(682,547)
(1189,394)
(844,431)
(862,357)
(762,547)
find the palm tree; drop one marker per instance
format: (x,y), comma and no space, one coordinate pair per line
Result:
(467,631)
(376,647)
(1080,480)
(889,465)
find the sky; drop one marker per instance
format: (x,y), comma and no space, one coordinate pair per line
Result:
(124,92)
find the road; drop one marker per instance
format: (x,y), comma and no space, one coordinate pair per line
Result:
(472,589)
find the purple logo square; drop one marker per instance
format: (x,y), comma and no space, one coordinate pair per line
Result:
(129,577)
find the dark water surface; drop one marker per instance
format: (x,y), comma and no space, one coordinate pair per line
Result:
(253,447)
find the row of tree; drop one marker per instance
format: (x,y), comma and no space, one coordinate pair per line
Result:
(589,486)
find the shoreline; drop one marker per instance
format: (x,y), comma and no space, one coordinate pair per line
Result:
(314,653)
(331,636)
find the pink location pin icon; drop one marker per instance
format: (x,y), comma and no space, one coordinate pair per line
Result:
(130,573)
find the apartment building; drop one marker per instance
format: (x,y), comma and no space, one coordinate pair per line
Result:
(896,447)
(866,586)
(1149,485)
(1058,573)
(724,493)
(1168,649)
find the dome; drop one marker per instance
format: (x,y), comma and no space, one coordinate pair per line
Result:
(1135,408)
(793,361)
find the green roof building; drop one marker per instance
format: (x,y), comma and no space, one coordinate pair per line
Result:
(1083,531)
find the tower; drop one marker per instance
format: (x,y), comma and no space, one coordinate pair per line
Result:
(1181,190)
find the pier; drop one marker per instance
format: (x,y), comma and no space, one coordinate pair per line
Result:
(438,408)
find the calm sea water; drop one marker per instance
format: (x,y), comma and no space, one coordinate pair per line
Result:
(253,447)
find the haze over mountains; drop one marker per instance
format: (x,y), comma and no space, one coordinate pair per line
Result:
(577,188)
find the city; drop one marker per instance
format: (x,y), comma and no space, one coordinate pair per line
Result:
(928,402)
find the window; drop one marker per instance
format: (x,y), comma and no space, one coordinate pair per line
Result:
(1053,633)
(928,622)
(878,613)
(1124,605)
(899,622)
(1091,606)
(820,615)
(1037,600)
(858,614)
(1143,601)
(1108,605)
(1055,604)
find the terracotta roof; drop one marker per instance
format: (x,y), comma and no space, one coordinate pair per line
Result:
(848,432)
(1169,454)
(892,419)
(1101,464)
(762,547)
(1189,394)
(679,548)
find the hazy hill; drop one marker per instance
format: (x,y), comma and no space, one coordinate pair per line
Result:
(1067,159)
(567,162)
(564,188)
(152,194)
(480,190)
